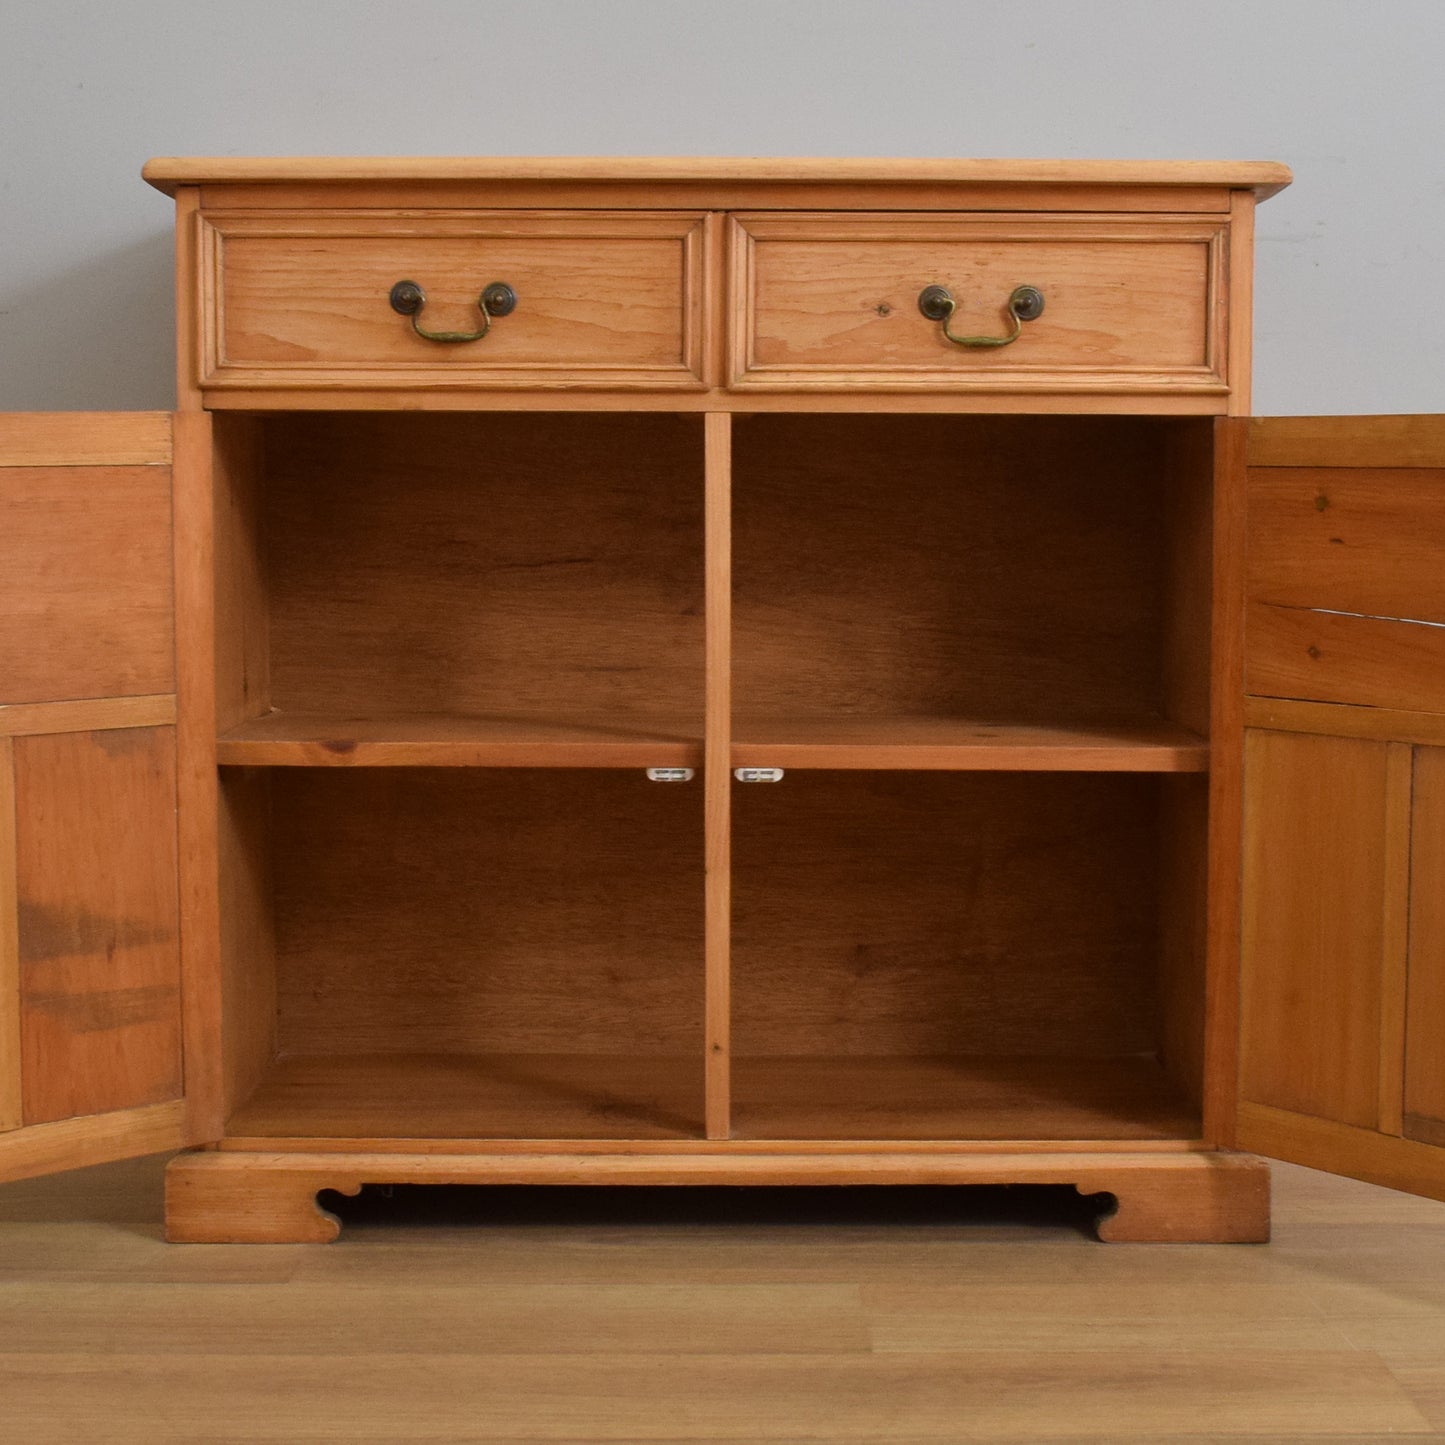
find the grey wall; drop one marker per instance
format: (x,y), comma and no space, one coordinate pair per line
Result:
(1350,309)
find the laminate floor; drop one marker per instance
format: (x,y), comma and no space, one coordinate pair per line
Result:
(710,1315)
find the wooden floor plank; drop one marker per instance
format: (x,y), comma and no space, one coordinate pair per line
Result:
(905,1317)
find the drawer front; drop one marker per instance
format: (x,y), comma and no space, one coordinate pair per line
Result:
(303,300)
(831,301)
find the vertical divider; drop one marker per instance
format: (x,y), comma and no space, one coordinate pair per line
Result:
(717,776)
(11,1113)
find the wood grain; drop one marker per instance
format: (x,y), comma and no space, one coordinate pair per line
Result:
(85,582)
(997,569)
(93,714)
(1339,720)
(85,439)
(1362,540)
(475,1096)
(717,781)
(98,951)
(1347,441)
(831,300)
(1315,912)
(1424,1014)
(92,1139)
(488,911)
(1228,534)
(1400,825)
(953,743)
(167,172)
(216,1196)
(457,740)
(1295,652)
(958,1097)
(200,447)
(11,1104)
(609,299)
(565,578)
(1240,300)
(966,913)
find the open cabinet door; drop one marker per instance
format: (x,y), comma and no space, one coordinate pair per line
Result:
(1342,1001)
(90,961)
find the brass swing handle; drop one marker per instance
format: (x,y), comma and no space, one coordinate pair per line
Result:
(1025,303)
(407,299)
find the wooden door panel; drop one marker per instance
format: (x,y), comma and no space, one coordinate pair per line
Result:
(1342,1049)
(97,921)
(1424,1085)
(1314,924)
(90,965)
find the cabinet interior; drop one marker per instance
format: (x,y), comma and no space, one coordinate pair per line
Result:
(453,905)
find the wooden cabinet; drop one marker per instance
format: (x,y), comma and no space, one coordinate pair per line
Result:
(712,724)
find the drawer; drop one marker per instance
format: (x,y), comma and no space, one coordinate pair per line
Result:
(303,300)
(831,301)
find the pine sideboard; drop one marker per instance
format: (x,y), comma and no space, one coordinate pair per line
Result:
(721,672)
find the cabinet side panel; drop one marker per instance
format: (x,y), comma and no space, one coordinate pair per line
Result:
(85,582)
(11,1115)
(98,921)
(1425,1009)
(1315,833)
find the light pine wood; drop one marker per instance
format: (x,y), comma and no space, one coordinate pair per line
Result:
(1358,540)
(1226,783)
(563,579)
(953,744)
(1347,441)
(850,583)
(487,911)
(198,847)
(85,580)
(246,946)
(603,299)
(968,1097)
(831,300)
(474,1096)
(1297,652)
(84,439)
(747,403)
(1423,1016)
(1316,911)
(321,740)
(168,172)
(218,1196)
(1400,824)
(717,781)
(11,1104)
(87,715)
(1240,282)
(1339,720)
(98,950)
(1359,1152)
(1020,909)
(241,618)
(92,1139)
(188,317)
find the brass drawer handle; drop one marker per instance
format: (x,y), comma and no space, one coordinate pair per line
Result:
(407,299)
(1026,303)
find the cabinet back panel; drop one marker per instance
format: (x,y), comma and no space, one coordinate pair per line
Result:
(454,564)
(946,914)
(505,911)
(1003,567)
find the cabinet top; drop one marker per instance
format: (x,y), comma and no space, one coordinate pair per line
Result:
(167,173)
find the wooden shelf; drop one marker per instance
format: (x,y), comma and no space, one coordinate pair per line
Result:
(841,1097)
(475,1096)
(417,740)
(963,744)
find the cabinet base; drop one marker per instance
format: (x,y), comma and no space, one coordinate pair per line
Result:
(234,1197)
